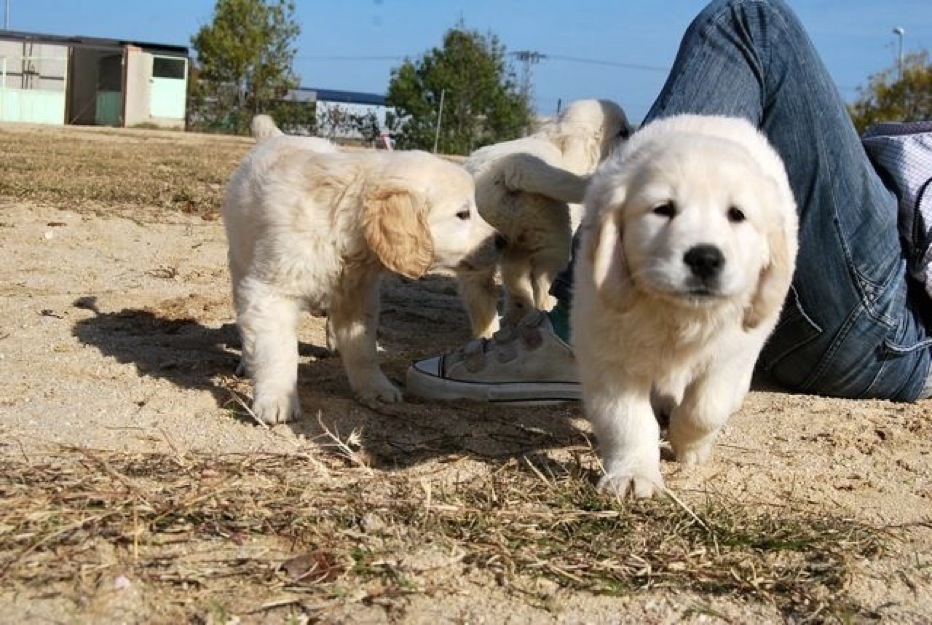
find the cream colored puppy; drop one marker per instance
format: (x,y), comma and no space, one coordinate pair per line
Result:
(688,248)
(313,230)
(523,188)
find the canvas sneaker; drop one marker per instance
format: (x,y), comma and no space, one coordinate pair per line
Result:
(523,364)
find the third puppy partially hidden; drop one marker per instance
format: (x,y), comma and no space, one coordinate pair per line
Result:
(524,188)
(688,248)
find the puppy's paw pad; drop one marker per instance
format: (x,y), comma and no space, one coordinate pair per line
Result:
(272,410)
(625,483)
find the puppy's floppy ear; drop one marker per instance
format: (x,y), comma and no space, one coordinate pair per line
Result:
(394,225)
(606,251)
(774,280)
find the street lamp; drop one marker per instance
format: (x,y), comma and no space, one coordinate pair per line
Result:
(899,32)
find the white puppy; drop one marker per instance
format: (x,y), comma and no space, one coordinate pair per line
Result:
(523,188)
(687,252)
(313,230)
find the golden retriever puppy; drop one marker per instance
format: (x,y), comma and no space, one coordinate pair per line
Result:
(523,188)
(312,230)
(688,246)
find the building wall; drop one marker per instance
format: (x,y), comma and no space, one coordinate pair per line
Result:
(32,82)
(138,73)
(333,118)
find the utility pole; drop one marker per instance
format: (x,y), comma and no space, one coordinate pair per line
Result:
(6,15)
(439,119)
(528,58)
(899,31)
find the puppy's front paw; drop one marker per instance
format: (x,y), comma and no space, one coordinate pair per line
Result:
(276,408)
(379,392)
(639,483)
(693,455)
(691,450)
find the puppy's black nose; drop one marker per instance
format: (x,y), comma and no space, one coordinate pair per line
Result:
(500,242)
(705,261)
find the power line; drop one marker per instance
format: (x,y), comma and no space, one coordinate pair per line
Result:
(575,59)
(526,57)
(349,58)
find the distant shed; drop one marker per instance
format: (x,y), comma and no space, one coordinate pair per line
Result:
(51,79)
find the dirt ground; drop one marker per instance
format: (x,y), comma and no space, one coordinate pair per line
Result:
(137,490)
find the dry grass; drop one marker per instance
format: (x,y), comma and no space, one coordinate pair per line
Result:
(133,172)
(247,534)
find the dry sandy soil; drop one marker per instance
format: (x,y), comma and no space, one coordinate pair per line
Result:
(136,489)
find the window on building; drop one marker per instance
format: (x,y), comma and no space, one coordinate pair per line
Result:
(168,67)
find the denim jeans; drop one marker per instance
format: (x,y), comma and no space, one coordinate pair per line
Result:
(853,324)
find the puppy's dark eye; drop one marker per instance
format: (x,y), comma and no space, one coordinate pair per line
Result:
(667,209)
(736,215)
(463,214)
(625,132)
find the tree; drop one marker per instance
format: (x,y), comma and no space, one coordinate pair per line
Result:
(244,61)
(889,97)
(482,101)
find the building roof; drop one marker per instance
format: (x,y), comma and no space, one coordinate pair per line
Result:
(91,42)
(349,97)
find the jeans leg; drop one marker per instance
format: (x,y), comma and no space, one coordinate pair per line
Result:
(562,286)
(850,327)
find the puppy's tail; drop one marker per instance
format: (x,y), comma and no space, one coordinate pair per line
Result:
(263,127)
(528,173)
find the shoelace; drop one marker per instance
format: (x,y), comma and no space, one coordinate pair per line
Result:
(474,353)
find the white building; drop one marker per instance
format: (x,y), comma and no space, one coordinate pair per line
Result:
(51,79)
(334,110)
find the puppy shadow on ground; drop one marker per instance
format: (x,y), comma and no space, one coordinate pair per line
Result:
(173,347)
(417,319)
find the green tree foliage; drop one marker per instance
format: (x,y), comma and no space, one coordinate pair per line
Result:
(889,97)
(482,101)
(244,62)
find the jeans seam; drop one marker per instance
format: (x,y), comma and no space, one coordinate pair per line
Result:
(867,296)
(834,346)
(908,350)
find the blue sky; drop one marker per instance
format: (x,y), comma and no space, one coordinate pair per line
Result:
(614,49)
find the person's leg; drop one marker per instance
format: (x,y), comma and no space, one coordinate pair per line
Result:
(849,327)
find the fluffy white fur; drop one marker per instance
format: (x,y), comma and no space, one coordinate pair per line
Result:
(314,230)
(688,249)
(523,188)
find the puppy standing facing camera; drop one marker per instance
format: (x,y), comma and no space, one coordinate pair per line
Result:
(688,246)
